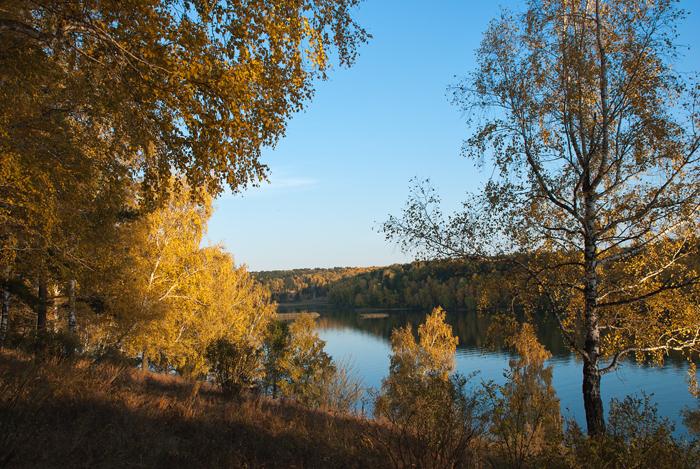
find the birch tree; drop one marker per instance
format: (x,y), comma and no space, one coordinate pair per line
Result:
(591,135)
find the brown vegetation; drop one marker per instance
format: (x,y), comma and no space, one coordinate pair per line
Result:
(77,414)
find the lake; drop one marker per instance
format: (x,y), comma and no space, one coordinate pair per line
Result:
(364,344)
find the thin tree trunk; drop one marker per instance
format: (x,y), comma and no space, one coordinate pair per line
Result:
(144,361)
(42,306)
(592,402)
(72,322)
(4,316)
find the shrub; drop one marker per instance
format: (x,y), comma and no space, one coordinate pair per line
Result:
(434,423)
(303,367)
(274,347)
(342,390)
(636,438)
(54,345)
(691,419)
(297,367)
(236,366)
(113,355)
(525,422)
(433,420)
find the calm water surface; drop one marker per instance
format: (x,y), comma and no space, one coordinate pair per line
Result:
(364,344)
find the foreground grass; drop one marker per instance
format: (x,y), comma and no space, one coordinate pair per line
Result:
(77,414)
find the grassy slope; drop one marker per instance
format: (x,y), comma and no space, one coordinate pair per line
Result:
(83,415)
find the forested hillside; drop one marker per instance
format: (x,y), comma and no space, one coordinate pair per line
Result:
(451,284)
(305,284)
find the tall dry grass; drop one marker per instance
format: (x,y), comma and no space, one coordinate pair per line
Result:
(78,414)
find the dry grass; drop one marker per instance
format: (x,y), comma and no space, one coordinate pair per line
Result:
(77,414)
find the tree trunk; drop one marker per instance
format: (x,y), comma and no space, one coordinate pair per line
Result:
(144,361)
(42,306)
(4,316)
(592,401)
(72,323)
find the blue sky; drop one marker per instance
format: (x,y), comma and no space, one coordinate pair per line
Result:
(346,161)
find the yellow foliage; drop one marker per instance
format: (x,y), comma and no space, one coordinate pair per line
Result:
(525,420)
(432,355)
(170,299)
(306,369)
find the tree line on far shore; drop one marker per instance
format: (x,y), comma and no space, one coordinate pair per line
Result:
(417,285)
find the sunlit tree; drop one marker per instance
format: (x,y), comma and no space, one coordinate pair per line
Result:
(305,368)
(196,86)
(101,99)
(434,418)
(525,419)
(413,362)
(592,137)
(167,298)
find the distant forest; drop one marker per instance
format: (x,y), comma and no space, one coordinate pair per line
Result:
(450,284)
